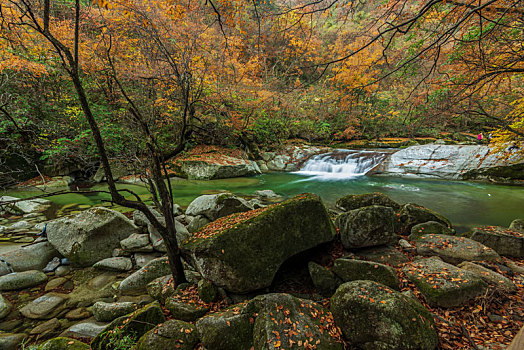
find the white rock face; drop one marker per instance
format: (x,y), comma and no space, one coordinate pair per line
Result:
(439,161)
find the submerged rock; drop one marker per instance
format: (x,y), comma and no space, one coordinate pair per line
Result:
(504,241)
(442,284)
(373,316)
(367,227)
(355,201)
(89,236)
(243,252)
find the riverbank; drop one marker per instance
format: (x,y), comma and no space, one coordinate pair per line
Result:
(79,294)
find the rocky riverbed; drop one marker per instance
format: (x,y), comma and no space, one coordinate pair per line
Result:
(263,273)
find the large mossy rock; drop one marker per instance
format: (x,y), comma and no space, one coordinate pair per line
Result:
(230,329)
(242,252)
(355,201)
(430,227)
(134,325)
(89,236)
(504,241)
(214,206)
(411,214)
(286,321)
(442,284)
(489,276)
(454,250)
(367,227)
(373,316)
(63,343)
(352,270)
(174,334)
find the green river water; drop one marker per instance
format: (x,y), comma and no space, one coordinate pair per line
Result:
(466,204)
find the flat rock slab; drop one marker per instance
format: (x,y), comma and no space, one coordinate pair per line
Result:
(454,250)
(89,329)
(115,264)
(442,284)
(243,252)
(490,276)
(45,307)
(21,280)
(504,241)
(382,254)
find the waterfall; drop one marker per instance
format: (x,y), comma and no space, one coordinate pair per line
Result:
(342,164)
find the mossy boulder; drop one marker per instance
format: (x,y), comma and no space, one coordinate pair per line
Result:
(430,227)
(355,201)
(411,214)
(454,250)
(207,291)
(214,206)
(185,311)
(230,329)
(324,280)
(89,236)
(442,284)
(367,227)
(63,343)
(504,241)
(105,312)
(387,255)
(285,321)
(517,225)
(489,276)
(161,288)
(373,316)
(134,325)
(352,270)
(174,334)
(242,252)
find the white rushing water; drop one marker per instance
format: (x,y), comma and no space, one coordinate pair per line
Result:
(342,164)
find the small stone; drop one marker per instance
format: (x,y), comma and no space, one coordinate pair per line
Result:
(115,264)
(52,265)
(44,307)
(55,283)
(137,242)
(46,327)
(138,280)
(106,312)
(62,270)
(404,244)
(85,330)
(79,313)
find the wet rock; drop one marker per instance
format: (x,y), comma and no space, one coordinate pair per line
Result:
(367,227)
(351,270)
(105,312)
(454,250)
(89,236)
(442,284)
(55,283)
(115,264)
(170,335)
(21,280)
(44,307)
(373,316)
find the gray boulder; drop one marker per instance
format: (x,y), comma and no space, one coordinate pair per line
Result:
(504,241)
(139,279)
(114,264)
(442,284)
(31,257)
(454,250)
(367,227)
(214,206)
(137,242)
(89,236)
(373,316)
(355,201)
(21,280)
(243,252)
(158,243)
(197,223)
(351,270)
